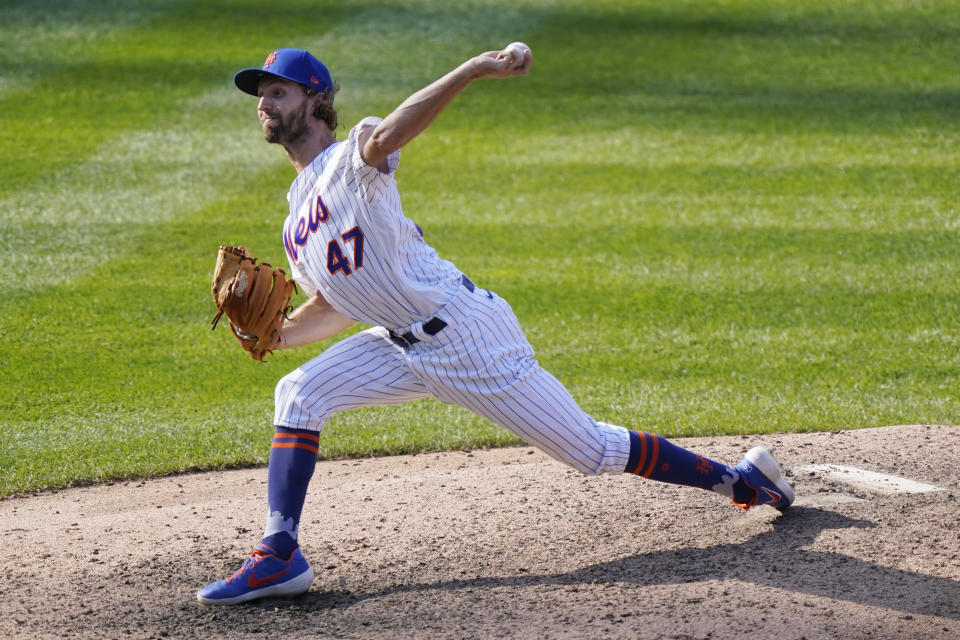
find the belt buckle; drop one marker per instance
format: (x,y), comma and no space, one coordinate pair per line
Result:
(400,339)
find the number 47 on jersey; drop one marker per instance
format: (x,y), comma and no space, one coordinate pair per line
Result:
(337,260)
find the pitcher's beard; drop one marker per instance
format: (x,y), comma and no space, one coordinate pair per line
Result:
(287,130)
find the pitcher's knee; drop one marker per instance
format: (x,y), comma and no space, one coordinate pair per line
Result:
(287,389)
(297,409)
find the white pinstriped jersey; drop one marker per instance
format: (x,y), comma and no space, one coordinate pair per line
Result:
(346,237)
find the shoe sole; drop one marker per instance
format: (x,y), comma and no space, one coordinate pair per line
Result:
(763,460)
(290,588)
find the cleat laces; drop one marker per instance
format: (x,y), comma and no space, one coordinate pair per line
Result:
(252,562)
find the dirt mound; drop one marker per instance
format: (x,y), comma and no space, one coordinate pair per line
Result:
(507,543)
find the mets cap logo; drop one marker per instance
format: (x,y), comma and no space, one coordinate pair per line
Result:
(313,80)
(270,59)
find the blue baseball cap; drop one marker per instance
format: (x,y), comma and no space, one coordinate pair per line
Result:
(295,65)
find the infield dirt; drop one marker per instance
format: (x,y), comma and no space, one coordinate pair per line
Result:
(508,544)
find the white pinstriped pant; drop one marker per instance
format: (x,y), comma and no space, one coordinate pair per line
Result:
(481,360)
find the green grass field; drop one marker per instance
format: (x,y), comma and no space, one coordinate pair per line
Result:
(711,217)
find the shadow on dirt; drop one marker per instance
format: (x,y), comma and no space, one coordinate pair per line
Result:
(777,558)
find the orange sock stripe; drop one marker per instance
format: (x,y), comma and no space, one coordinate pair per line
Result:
(295,445)
(643,452)
(293,436)
(654,455)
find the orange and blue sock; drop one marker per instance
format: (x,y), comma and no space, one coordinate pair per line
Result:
(658,459)
(293,457)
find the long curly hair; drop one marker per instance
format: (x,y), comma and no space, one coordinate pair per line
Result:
(325,110)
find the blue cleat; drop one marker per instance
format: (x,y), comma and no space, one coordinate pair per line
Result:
(761,472)
(262,575)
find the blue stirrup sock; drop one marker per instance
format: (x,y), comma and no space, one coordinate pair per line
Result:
(658,459)
(293,457)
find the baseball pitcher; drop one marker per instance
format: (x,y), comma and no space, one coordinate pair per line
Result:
(433,332)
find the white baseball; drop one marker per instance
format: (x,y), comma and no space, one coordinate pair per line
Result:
(516,51)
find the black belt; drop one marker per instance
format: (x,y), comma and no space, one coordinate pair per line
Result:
(431,327)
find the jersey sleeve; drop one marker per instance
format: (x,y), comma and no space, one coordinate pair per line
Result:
(373,184)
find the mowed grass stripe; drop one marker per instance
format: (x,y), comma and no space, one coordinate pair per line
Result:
(61,34)
(97,211)
(129,79)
